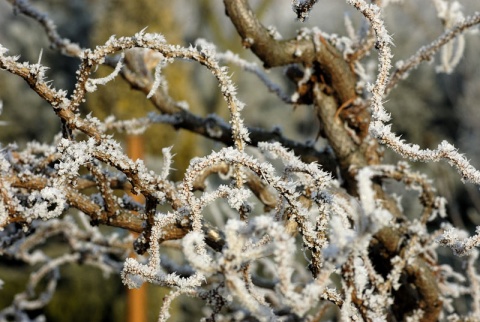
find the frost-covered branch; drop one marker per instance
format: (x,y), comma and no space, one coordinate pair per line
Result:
(460,245)
(426,53)
(444,151)
(264,228)
(302,8)
(65,45)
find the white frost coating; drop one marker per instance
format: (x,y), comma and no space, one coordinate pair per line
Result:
(4,164)
(183,105)
(244,244)
(159,80)
(135,273)
(230,57)
(55,200)
(449,12)
(137,126)
(415,316)
(361,276)
(237,197)
(49,203)
(262,312)
(229,91)
(206,47)
(365,190)
(340,238)
(382,131)
(194,249)
(373,216)
(3,215)
(3,50)
(349,27)
(451,54)
(91,84)
(274,33)
(441,205)
(302,8)
(306,196)
(74,155)
(459,241)
(167,162)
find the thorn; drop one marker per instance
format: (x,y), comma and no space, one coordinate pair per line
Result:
(40,56)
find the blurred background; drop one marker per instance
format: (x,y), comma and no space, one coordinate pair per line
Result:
(426,108)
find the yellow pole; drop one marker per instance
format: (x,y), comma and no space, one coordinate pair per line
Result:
(136,298)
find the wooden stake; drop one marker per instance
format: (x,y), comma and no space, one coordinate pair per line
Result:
(136,298)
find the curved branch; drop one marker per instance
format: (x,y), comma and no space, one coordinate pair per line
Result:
(124,219)
(213,127)
(33,74)
(256,37)
(426,52)
(274,52)
(65,45)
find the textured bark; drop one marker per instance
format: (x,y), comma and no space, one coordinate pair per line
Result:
(331,89)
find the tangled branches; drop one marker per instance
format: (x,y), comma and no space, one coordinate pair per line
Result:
(285,231)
